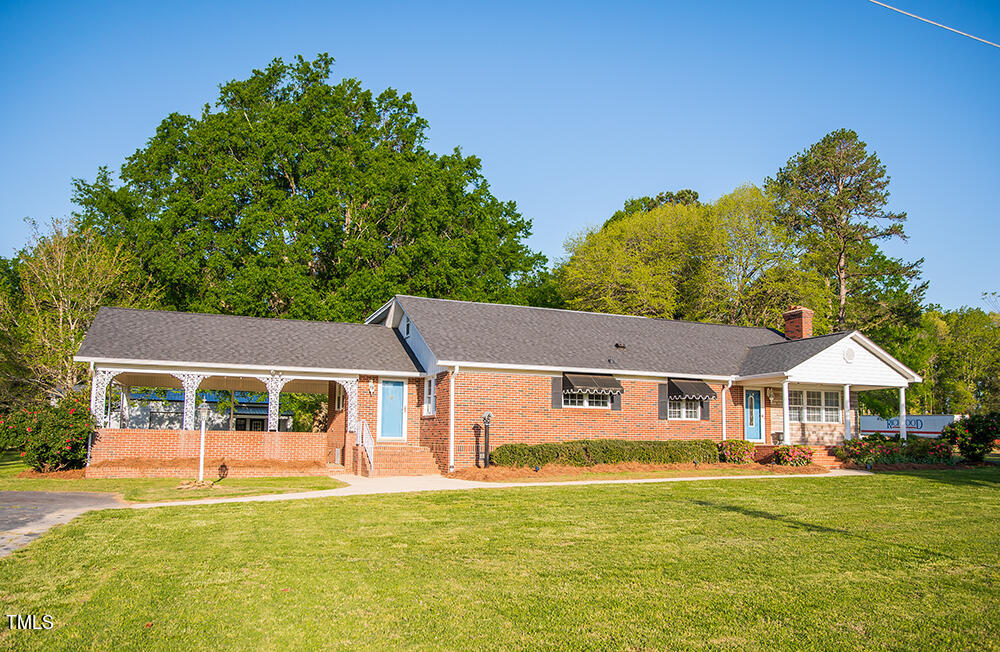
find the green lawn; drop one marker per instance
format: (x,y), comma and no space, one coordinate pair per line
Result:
(155,489)
(892,561)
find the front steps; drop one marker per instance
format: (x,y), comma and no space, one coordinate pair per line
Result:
(823,456)
(398,459)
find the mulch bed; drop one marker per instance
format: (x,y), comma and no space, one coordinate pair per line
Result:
(68,474)
(510,473)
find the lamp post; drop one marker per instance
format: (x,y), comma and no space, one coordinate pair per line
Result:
(487,417)
(203,411)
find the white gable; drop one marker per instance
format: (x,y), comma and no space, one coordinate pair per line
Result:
(849,361)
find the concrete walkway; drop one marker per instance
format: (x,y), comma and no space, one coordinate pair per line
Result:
(360,486)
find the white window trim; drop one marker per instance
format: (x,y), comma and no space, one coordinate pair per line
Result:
(338,398)
(682,418)
(378,410)
(430,407)
(586,402)
(796,413)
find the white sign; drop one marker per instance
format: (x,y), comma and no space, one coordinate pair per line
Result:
(924,425)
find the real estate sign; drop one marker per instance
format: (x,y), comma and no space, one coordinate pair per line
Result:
(923,425)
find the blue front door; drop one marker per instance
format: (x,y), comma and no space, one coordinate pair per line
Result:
(752,430)
(392,409)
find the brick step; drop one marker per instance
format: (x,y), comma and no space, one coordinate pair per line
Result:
(402,459)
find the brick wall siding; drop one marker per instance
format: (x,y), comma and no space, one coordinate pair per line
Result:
(523,413)
(288,453)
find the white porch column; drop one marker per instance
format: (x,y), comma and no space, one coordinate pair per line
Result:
(123,415)
(786,421)
(274,383)
(189,383)
(99,394)
(847,411)
(902,413)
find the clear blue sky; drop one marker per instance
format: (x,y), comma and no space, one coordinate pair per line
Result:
(572,107)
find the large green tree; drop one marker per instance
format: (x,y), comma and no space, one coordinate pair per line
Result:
(833,196)
(730,261)
(686,197)
(294,196)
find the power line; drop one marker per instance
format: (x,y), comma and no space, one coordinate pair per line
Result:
(950,29)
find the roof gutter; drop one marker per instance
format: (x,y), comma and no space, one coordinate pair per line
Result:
(579,370)
(157,366)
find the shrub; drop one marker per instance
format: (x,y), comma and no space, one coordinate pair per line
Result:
(974,436)
(568,453)
(881,450)
(617,451)
(736,451)
(795,455)
(588,452)
(50,437)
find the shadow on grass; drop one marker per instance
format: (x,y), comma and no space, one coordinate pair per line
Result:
(812,527)
(987,477)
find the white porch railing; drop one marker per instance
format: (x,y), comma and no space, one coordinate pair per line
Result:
(366,440)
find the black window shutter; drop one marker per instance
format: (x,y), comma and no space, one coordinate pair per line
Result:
(706,413)
(557,391)
(662,401)
(616,401)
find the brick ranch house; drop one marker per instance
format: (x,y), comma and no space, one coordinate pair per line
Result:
(408,389)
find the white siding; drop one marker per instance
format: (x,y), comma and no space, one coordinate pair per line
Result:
(417,344)
(830,366)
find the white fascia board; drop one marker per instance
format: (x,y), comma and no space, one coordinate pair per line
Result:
(886,357)
(378,313)
(160,366)
(577,370)
(779,376)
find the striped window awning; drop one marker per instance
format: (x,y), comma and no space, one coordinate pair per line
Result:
(591,384)
(690,389)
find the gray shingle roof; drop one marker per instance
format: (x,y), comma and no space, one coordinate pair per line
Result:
(503,334)
(224,339)
(775,358)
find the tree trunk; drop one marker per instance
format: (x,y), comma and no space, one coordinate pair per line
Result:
(842,279)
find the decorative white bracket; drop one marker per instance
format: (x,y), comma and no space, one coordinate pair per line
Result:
(99,393)
(351,389)
(189,383)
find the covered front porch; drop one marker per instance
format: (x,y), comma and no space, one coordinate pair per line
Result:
(128,450)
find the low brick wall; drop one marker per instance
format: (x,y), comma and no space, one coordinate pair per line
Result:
(134,453)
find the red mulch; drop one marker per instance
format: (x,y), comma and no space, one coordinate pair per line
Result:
(69,474)
(510,474)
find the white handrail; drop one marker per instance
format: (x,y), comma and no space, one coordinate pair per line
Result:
(365,439)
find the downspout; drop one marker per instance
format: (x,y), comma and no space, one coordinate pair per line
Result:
(725,392)
(451,419)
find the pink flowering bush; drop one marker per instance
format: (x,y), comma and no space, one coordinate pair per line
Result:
(881,450)
(49,437)
(736,451)
(796,455)
(974,436)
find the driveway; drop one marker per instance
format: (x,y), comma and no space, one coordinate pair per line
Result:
(26,515)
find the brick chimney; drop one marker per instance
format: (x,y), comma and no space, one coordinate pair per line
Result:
(798,322)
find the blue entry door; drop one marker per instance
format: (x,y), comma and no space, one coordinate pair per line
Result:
(392,409)
(752,430)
